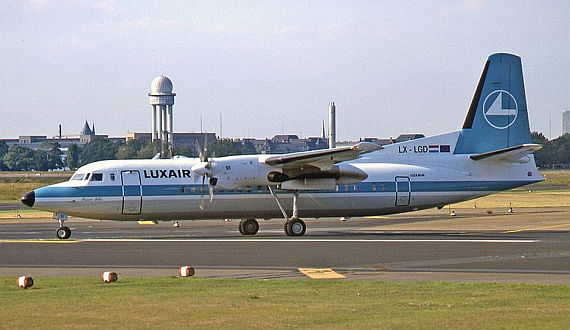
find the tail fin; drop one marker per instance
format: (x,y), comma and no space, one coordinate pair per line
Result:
(497,117)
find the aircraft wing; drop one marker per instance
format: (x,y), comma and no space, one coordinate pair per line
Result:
(324,158)
(511,154)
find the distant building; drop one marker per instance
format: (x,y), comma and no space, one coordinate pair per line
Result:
(278,144)
(284,143)
(86,135)
(407,137)
(380,142)
(566,122)
(179,139)
(138,136)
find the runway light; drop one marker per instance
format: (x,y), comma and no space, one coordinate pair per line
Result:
(25,282)
(108,277)
(186,271)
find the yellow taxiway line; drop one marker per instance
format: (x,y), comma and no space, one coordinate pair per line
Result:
(320,273)
(147,222)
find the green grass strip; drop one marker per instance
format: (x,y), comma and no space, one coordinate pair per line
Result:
(81,302)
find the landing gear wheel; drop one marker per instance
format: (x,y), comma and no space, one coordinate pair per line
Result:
(63,232)
(295,227)
(248,227)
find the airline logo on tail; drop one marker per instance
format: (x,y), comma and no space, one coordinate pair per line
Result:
(500,109)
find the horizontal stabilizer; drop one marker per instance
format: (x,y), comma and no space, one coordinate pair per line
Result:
(516,154)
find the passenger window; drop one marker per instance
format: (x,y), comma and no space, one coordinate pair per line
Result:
(78,176)
(112,176)
(87,177)
(97,177)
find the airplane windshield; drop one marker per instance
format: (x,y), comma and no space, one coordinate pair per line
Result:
(77,176)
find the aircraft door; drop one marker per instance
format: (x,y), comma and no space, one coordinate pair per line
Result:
(132,192)
(403,191)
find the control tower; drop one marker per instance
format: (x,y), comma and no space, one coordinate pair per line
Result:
(162,100)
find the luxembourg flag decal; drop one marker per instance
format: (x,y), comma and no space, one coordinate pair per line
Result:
(433,148)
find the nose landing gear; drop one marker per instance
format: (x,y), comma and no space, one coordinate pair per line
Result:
(62,231)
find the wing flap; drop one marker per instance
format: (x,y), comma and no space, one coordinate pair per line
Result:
(514,154)
(323,158)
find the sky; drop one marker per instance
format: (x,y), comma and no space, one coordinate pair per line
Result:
(272,67)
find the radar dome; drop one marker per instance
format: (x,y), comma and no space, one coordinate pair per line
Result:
(161,85)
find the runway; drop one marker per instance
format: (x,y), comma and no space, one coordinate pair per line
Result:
(356,248)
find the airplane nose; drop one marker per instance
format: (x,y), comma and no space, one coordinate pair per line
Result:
(29,198)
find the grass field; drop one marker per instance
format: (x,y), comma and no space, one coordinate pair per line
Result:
(176,302)
(24,214)
(12,188)
(519,199)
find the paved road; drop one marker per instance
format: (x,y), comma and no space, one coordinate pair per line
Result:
(348,247)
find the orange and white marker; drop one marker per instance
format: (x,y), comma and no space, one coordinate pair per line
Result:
(186,271)
(108,277)
(25,282)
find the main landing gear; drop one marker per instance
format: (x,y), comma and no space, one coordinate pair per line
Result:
(293,226)
(248,227)
(62,231)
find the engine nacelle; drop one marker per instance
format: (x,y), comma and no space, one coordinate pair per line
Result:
(238,171)
(341,174)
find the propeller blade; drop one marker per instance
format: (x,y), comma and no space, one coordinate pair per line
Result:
(202,193)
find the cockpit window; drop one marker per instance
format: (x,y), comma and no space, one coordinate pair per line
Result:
(77,176)
(97,177)
(87,177)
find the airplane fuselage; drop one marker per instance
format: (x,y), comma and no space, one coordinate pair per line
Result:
(402,177)
(492,152)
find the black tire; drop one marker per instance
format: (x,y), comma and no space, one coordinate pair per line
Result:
(249,227)
(240,227)
(295,227)
(63,232)
(286,228)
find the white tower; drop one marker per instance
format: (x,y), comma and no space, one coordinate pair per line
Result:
(332,125)
(565,122)
(162,100)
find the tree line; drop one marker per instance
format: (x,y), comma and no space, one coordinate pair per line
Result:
(554,154)
(49,156)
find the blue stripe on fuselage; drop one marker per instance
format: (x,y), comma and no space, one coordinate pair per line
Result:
(84,191)
(188,190)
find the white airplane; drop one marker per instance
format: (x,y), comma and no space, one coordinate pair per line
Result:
(491,153)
